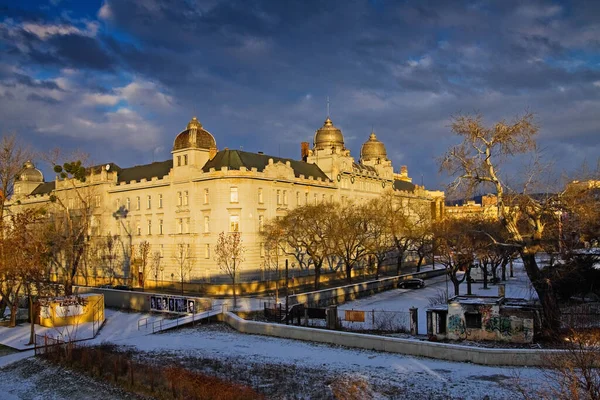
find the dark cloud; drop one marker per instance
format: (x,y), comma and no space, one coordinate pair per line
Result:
(257,73)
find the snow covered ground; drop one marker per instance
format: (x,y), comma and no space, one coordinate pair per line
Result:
(403,299)
(317,365)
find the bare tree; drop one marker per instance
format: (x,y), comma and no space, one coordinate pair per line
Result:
(183,257)
(379,241)
(143,255)
(155,266)
(108,253)
(72,221)
(229,254)
(308,230)
(454,240)
(274,245)
(350,235)
(477,161)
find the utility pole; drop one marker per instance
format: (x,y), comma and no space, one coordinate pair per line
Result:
(287,291)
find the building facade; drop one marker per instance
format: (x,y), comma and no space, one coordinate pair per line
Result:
(201,191)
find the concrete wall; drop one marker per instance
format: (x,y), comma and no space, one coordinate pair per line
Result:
(413,347)
(340,295)
(137,301)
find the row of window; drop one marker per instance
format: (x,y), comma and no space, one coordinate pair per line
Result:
(183,225)
(183,198)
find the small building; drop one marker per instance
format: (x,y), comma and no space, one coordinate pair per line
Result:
(71,310)
(478,318)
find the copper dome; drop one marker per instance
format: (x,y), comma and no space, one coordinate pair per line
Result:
(30,173)
(373,149)
(328,136)
(194,136)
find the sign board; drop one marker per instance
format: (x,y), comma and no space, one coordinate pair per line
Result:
(172,304)
(355,316)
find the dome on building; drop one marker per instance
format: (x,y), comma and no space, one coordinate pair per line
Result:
(328,136)
(194,136)
(373,149)
(30,173)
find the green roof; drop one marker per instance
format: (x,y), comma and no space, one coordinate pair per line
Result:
(44,188)
(148,171)
(234,159)
(403,185)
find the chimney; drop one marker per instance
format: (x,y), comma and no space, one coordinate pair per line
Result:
(304,151)
(404,170)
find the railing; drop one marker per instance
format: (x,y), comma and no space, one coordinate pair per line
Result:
(164,324)
(45,343)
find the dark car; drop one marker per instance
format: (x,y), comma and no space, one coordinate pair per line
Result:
(414,283)
(105,286)
(122,287)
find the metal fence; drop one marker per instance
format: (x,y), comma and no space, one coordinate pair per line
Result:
(375,320)
(581,316)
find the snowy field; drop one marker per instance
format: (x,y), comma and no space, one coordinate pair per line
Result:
(403,299)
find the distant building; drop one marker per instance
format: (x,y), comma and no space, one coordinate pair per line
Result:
(201,191)
(488,208)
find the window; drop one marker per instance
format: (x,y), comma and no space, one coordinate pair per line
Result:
(473,320)
(315,198)
(179,161)
(128,202)
(162,250)
(207,251)
(149,202)
(160,203)
(179,199)
(323,199)
(261,222)
(279,197)
(285,197)
(234,195)
(180,225)
(298,198)
(185,198)
(331,198)
(185,159)
(137,203)
(97,201)
(186,225)
(262,249)
(206,224)
(160,226)
(260,196)
(139,230)
(149,227)
(306,198)
(205,196)
(234,223)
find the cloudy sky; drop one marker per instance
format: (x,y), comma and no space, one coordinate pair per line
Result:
(119,79)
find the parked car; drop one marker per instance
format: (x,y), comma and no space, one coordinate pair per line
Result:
(414,283)
(105,286)
(122,287)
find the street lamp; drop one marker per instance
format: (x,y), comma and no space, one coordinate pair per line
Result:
(120,215)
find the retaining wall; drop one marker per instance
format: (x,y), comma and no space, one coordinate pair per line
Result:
(131,300)
(342,294)
(413,347)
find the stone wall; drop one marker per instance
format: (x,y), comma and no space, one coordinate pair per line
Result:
(413,347)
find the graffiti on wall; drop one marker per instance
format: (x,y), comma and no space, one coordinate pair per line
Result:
(499,324)
(456,325)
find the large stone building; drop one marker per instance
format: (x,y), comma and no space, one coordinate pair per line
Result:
(201,191)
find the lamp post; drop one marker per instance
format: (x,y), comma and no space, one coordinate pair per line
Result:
(120,215)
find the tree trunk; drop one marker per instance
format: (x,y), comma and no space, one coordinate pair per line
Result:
(378,269)
(421,258)
(503,266)
(317,276)
(543,287)
(234,294)
(456,284)
(512,274)
(3,305)
(469,290)
(31,320)
(399,263)
(14,308)
(349,272)
(483,267)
